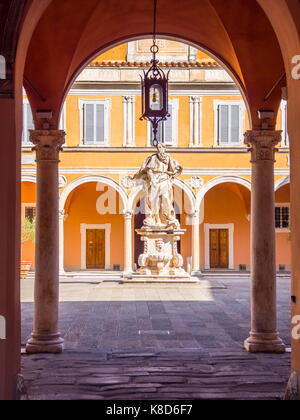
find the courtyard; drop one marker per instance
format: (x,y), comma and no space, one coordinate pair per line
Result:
(162,342)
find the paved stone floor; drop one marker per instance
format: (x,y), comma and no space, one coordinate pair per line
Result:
(156,342)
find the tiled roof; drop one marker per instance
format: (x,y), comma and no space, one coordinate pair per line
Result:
(183,64)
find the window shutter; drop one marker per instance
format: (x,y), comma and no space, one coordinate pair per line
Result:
(285,217)
(277,217)
(100,131)
(168,128)
(89,123)
(235,124)
(223,124)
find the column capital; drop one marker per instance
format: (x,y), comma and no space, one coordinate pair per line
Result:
(47,143)
(195,98)
(262,144)
(194,214)
(128,214)
(62,214)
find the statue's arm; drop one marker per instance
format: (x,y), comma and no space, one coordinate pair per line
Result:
(174,168)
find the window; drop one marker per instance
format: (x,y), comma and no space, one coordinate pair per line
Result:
(282,217)
(229,123)
(167,130)
(28,123)
(28,210)
(95,122)
(30,213)
(284,126)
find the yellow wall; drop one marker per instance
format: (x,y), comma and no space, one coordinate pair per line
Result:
(28,195)
(283,244)
(225,204)
(82,209)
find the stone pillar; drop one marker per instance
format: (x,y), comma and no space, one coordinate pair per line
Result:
(195,244)
(45,337)
(129,120)
(10,221)
(128,241)
(263,336)
(195,120)
(61,242)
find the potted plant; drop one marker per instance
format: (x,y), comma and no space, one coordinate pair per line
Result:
(27,235)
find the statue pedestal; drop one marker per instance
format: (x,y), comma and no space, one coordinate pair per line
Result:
(160,262)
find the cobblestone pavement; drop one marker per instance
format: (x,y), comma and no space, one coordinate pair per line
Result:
(156,342)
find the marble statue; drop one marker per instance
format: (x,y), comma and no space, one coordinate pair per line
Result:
(157,174)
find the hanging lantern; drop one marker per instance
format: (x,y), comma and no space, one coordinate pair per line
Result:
(155,90)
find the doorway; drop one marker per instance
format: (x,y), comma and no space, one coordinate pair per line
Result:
(95,249)
(219,248)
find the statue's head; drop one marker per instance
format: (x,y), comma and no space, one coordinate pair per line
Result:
(162,149)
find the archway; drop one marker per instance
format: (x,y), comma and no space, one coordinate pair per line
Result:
(28,211)
(282,225)
(225,236)
(285,10)
(92,212)
(184,204)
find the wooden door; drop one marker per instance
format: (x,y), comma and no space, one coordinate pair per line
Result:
(95,248)
(219,248)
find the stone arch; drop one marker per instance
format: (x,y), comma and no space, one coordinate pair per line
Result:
(92,178)
(224,42)
(282,182)
(28,178)
(217,181)
(209,51)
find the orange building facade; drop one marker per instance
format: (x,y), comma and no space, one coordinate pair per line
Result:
(106,142)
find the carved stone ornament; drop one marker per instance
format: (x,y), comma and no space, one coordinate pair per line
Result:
(128,214)
(47,144)
(157,174)
(62,181)
(127,182)
(196,182)
(262,144)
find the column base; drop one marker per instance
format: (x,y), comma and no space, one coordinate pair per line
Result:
(196,273)
(127,273)
(264,343)
(45,343)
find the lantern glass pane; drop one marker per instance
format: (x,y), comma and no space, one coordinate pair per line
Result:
(156,98)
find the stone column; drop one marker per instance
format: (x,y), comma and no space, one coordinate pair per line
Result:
(195,120)
(128,241)
(61,242)
(263,336)
(129,120)
(45,337)
(195,244)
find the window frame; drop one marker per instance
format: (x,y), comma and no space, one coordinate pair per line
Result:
(242,110)
(26,143)
(107,118)
(23,211)
(281,229)
(175,111)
